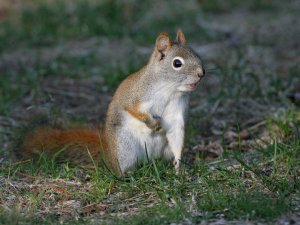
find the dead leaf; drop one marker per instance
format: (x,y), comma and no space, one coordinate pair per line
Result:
(210,151)
(93,208)
(232,136)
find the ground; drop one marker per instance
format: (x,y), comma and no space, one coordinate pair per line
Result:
(241,163)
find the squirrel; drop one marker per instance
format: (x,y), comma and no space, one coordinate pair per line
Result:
(145,119)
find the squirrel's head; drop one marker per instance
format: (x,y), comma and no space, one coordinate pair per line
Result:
(177,62)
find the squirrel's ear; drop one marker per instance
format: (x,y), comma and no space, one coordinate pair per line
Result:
(180,38)
(163,43)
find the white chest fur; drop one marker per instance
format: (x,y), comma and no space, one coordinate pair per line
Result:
(172,114)
(139,143)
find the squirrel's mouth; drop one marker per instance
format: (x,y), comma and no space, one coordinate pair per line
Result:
(191,87)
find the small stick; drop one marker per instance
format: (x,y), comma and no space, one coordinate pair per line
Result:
(21,162)
(26,175)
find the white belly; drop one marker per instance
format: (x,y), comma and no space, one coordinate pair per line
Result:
(138,143)
(150,143)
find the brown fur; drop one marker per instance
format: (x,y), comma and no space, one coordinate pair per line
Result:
(180,38)
(135,112)
(73,145)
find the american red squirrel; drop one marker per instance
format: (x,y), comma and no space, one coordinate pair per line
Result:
(145,119)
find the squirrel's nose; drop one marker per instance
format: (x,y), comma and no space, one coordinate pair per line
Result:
(200,72)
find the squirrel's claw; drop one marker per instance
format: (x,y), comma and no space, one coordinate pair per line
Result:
(154,123)
(176,166)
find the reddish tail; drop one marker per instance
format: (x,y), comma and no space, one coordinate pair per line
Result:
(80,146)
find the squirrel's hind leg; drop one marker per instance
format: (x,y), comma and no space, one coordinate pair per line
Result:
(130,152)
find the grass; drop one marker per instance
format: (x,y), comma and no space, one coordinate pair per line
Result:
(252,189)
(50,22)
(218,6)
(11,89)
(259,189)
(14,218)
(259,185)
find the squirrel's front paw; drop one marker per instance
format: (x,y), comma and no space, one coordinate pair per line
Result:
(154,123)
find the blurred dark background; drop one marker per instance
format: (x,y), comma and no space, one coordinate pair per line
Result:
(68,57)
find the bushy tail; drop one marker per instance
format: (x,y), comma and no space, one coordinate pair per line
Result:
(80,146)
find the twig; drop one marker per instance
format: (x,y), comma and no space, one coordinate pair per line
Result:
(27,176)
(21,162)
(259,124)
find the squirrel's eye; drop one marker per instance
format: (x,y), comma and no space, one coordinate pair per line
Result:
(177,63)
